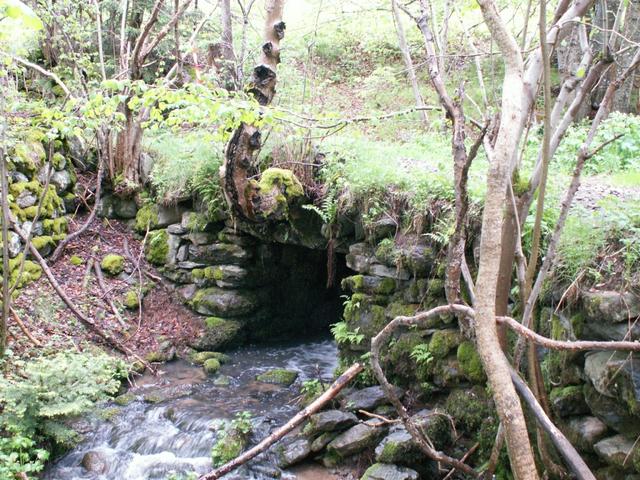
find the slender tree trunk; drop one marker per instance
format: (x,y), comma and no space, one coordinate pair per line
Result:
(230,80)
(6,297)
(408,63)
(127,155)
(493,358)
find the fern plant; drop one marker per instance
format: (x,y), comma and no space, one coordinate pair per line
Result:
(421,354)
(343,335)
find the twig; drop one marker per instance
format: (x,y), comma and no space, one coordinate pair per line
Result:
(106,296)
(379,417)
(24,329)
(463,459)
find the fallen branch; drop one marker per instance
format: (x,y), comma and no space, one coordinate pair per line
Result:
(106,296)
(572,458)
(24,328)
(383,336)
(577,345)
(301,416)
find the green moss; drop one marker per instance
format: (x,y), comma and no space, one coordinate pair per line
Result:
(131,300)
(197,274)
(400,309)
(156,249)
(561,393)
(282,179)
(30,272)
(213,273)
(147,217)
(469,408)
(442,341)
(355,283)
(76,260)
(470,363)
(278,376)
(58,161)
(43,242)
(226,448)
(211,365)
(33,186)
(55,226)
(577,324)
(109,414)
(386,286)
(200,357)
(112,264)
(28,156)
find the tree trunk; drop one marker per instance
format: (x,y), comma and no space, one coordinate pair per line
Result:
(493,358)
(126,177)
(406,56)
(228,70)
(242,196)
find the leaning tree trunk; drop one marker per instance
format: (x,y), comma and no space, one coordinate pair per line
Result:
(242,195)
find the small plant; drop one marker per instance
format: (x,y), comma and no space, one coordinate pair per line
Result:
(232,439)
(421,354)
(343,335)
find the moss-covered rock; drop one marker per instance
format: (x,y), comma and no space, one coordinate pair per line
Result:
(44,244)
(124,399)
(131,299)
(278,376)
(55,226)
(277,188)
(218,333)
(443,341)
(28,156)
(75,260)
(211,365)
(31,272)
(112,264)
(156,250)
(227,303)
(200,357)
(469,408)
(146,218)
(470,362)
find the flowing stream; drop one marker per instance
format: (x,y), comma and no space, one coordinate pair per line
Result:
(149,441)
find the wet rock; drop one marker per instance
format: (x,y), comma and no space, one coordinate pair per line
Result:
(278,376)
(124,399)
(222,381)
(200,357)
(211,365)
(357,438)
(225,303)
(384,471)
(219,254)
(584,432)
(611,306)
(329,421)
(95,462)
(218,333)
(293,450)
(568,401)
(264,469)
(366,399)
(616,450)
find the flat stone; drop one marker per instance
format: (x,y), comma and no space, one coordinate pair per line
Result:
(183,253)
(190,265)
(330,420)
(385,471)
(584,432)
(219,254)
(357,438)
(232,276)
(177,275)
(176,229)
(615,450)
(367,398)
(201,238)
(173,243)
(292,451)
(388,272)
(224,303)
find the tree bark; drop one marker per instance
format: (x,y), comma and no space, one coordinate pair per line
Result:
(229,74)
(493,358)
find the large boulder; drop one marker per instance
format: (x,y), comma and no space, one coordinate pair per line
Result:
(398,447)
(611,306)
(611,412)
(385,471)
(616,375)
(220,254)
(224,303)
(278,376)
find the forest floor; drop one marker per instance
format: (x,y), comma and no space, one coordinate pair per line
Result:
(53,325)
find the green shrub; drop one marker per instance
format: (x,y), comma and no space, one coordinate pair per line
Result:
(232,439)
